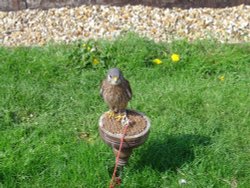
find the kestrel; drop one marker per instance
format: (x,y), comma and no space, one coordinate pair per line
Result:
(116,91)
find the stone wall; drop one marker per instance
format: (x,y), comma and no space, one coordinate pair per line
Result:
(9,5)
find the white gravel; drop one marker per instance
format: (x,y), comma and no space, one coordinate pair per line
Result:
(37,27)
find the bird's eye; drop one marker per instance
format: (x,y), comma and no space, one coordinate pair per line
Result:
(110,76)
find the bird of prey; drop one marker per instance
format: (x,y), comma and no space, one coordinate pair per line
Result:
(116,92)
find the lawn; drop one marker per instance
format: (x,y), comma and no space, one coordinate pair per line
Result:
(198,107)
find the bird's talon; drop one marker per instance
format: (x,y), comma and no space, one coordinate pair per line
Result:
(111,114)
(119,117)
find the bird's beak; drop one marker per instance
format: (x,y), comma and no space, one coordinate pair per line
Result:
(115,78)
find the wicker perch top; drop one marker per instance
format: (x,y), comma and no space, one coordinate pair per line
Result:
(138,124)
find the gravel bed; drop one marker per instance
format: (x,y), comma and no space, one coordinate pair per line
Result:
(37,27)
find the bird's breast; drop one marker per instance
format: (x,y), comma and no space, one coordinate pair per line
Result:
(115,94)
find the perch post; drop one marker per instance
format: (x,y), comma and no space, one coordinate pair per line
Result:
(130,141)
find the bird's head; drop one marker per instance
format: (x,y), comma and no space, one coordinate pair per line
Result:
(114,76)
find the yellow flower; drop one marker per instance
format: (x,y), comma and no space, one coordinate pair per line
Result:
(222,78)
(96,62)
(175,58)
(157,61)
(86,47)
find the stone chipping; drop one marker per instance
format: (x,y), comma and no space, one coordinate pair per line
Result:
(38,27)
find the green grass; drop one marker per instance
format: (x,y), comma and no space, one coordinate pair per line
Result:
(200,124)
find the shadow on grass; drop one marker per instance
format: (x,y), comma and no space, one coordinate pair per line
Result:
(171,152)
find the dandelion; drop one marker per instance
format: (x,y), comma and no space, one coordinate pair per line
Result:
(88,48)
(83,45)
(175,58)
(96,62)
(222,78)
(157,61)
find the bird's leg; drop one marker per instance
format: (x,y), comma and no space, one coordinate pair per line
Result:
(121,116)
(111,114)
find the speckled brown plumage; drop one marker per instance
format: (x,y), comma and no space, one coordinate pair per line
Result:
(116,96)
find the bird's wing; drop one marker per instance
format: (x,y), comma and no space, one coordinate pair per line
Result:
(128,89)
